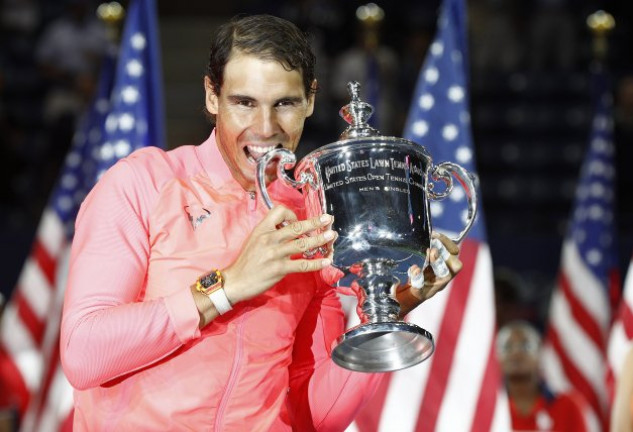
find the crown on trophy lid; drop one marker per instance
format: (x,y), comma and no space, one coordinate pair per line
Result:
(356,114)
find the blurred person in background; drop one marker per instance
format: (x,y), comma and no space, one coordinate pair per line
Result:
(532,405)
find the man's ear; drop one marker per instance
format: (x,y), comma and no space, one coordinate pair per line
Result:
(210,98)
(313,89)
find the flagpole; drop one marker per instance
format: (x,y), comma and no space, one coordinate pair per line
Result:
(112,14)
(600,23)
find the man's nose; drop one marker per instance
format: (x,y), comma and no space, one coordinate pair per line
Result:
(266,122)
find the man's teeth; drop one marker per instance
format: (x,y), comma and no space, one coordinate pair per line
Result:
(259,150)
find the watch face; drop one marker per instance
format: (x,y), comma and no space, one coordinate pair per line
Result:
(208,280)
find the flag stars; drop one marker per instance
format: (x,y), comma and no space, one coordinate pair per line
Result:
(426,101)
(134,68)
(437,209)
(126,122)
(106,152)
(457,194)
(596,212)
(594,257)
(599,144)
(69,181)
(601,122)
(597,167)
(111,123)
(420,128)
(73,159)
(450,132)
(130,95)
(138,41)
(597,190)
(456,93)
(437,48)
(431,75)
(65,203)
(463,154)
(122,148)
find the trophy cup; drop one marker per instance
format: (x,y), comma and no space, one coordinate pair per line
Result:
(378,190)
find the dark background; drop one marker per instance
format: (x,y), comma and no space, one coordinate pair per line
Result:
(530,110)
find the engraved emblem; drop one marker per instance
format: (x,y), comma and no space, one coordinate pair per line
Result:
(197,214)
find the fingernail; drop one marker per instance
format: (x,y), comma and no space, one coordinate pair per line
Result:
(440,268)
(329,235)
(417,281)
(444,253)
(325,218)
(325,262)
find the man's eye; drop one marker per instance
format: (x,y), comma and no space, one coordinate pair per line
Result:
(245,103)
(285,103)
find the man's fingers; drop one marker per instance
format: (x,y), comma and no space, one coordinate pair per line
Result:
(306,265)
(306,243)
(277,216)
(449,244)
(442,261)
(298,228)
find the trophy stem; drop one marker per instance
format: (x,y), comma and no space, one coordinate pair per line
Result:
(381,343)
(378,283)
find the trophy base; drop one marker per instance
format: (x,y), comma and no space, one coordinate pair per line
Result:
(382,347)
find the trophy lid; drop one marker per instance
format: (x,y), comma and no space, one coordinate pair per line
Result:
(356,114)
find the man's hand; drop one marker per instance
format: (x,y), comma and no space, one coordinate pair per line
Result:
(266,255)
(411,294)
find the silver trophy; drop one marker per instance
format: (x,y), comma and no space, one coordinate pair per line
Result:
(378,190)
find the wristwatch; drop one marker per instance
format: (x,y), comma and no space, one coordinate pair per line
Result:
(212,285)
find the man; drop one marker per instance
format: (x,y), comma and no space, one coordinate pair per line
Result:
(532,405)
(187,307)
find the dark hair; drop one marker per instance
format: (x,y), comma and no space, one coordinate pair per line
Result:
(267,37)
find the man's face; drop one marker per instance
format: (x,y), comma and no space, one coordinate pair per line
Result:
(519,354)
(261,106)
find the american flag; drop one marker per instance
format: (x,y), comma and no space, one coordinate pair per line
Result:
(574,354)
(126,115)
(460,387)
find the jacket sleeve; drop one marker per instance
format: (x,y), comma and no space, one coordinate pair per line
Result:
(323,396)
(106,330)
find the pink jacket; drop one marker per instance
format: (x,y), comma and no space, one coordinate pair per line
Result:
(130,343)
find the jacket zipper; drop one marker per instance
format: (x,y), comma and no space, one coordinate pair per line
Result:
(237,358)
(232,378)
(252,203)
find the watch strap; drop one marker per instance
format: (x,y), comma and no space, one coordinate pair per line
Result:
(220,301)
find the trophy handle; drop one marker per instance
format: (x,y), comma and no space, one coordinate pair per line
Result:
(445,172)
(287,160)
